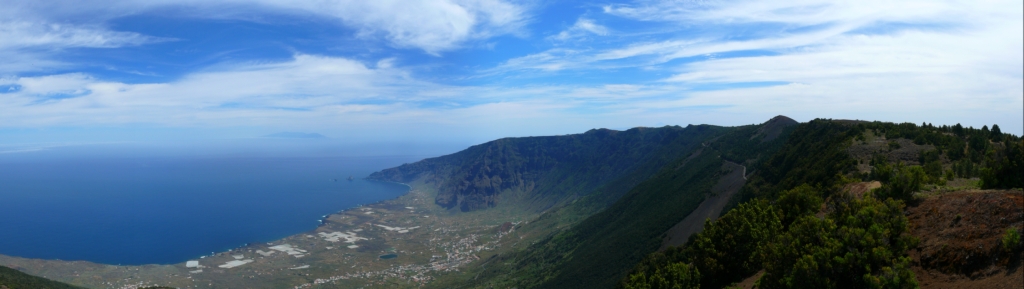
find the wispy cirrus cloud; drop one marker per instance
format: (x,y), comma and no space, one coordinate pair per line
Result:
(582,28)
(435,26)
(56,36)
(33,46)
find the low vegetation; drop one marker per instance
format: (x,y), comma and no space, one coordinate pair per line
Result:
(1011,240)
(859,241)
(14,279)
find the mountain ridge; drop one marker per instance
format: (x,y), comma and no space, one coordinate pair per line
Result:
(539,169)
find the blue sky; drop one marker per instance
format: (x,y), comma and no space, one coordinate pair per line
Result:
(468,71)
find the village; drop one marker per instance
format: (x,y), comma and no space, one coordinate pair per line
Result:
(404,242)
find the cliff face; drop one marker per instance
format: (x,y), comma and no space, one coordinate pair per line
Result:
(543,171)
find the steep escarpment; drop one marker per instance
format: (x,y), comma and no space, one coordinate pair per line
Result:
(597,252)
(540,172)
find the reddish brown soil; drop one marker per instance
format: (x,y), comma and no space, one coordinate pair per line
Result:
(961,239)
(1012,278)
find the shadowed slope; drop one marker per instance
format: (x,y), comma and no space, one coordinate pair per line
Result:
(14,279)
(537,173)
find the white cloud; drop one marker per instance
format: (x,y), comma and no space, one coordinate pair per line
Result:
(330,95)
(55,36)
(434,26)
(581,29)
(308,91)
(799,12)
(947,62)
(306,83)
(30,46)
(935,61)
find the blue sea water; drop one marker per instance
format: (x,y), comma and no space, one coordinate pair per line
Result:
(163,210)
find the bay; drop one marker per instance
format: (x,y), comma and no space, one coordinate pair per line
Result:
(164,210)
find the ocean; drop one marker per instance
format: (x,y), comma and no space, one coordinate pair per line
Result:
(165,210)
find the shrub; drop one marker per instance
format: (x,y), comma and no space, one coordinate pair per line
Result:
(727,249)
(1011,239)
(674,276)
(798,202)
(903,182)
(893,145)
(860,244)
(934,171)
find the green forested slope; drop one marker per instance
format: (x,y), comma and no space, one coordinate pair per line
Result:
(638,194)
(859,242)
(598,251)
(14,279)
(606,245)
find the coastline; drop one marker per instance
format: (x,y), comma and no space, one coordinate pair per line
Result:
(403,242)
(324,218)
(50,268)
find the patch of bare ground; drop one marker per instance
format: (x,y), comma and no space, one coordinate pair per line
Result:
(860,188)
(961,239)
(906,151)
(1011,278)
(750,282)
(728,185)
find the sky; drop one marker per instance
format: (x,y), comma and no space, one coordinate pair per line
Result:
(469,71)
